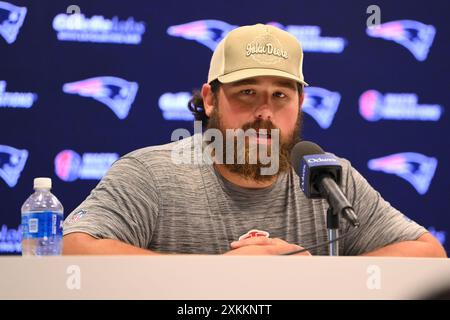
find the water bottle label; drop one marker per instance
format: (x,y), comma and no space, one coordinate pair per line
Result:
(41,224)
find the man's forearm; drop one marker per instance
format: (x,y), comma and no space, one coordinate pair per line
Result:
(425,246)
(83,244)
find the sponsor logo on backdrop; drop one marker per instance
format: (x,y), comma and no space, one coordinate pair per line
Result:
(174,106)
(11,20)
(10,239)
(12,162)
(415,168)
(70,166)
(116,93)
(413,35)
(374,106)
(77,27)
(311,39)
(16,99)
(321,104)
(210,32)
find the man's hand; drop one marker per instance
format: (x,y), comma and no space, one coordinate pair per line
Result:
(263,246)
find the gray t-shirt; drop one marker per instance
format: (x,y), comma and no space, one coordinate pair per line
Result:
(149,201)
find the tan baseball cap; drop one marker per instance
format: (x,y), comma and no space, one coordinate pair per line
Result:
(257,50)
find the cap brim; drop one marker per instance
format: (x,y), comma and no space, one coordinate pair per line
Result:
(257,72)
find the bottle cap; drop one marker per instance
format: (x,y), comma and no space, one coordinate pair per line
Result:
(42,183)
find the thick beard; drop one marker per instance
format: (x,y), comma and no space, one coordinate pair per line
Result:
(253,171)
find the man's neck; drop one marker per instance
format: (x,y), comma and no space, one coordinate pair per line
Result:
(242,182)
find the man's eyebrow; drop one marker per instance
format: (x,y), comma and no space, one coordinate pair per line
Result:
(287,84)
(243,82)
(284,84)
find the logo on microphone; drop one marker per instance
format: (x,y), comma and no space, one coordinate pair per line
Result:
(303,177)
(413,35)
(12,162)
(373,106)
(415,168)
(321,104)
(70,166)
(312,165)
(320,159)
(11,20)
(116,93)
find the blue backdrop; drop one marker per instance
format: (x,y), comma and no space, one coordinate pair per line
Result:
(84,84)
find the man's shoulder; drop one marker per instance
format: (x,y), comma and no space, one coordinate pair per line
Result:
(165,156)
(159,150)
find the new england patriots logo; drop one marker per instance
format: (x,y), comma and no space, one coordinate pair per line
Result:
(415,168)
(11,20)
(321,104)
(12,162)
(413,35)
(118,94)
(207,32)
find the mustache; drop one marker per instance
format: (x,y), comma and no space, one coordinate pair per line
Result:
(260,124)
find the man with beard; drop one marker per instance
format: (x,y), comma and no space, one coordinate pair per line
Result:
(151,203)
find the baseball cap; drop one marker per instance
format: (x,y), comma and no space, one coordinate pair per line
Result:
(257,50)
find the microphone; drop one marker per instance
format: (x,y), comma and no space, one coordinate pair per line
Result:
(320,177)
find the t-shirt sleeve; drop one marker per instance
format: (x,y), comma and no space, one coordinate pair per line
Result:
(123,206)
(380,223)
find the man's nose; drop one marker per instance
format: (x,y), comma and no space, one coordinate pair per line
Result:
(265,110)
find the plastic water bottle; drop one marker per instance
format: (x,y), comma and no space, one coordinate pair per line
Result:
(42,216)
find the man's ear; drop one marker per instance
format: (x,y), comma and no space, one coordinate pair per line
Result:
(208,99)
(301,100)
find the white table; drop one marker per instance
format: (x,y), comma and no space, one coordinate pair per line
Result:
(219,277)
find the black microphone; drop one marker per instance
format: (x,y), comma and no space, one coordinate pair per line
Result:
(320,177)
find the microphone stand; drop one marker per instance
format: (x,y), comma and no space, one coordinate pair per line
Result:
(333,231)
(338,205)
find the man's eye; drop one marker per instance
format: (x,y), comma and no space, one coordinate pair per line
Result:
(248,91)
(279,94)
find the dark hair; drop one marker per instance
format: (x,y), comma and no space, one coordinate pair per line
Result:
(195,105)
